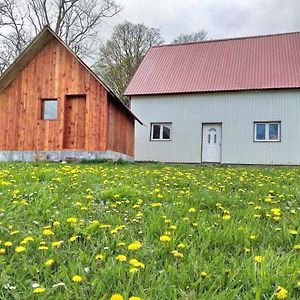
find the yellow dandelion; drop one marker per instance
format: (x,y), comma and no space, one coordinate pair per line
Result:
(56,244)
(43,248)
(226,217)
(49,262)
(297,247)
(181,245)
(8,244)
(133,270)
(121,258)
(165,238)
(99,257)
(48,232)
(20,249)
(73,238)
(192,210)
(135,298)
(135,245)
(293,232)
(77,278)
(72,220)
(39,290)
(281,293)
(2,250)
(116,297)
(258,259)
(177,254)
(203,274)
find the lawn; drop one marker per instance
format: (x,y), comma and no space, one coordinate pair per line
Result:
(142,231)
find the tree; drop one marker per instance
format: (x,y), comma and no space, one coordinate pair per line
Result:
(76,22)
(121,55)
(191,38)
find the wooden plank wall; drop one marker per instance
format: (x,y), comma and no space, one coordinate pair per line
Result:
(121,130)
(56,73)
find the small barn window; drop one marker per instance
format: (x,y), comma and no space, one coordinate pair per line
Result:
(267,131)
(161,131)
(49,109)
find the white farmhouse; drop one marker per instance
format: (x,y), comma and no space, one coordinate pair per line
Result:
(233,101)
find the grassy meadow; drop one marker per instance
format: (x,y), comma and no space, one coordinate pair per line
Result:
(148,231)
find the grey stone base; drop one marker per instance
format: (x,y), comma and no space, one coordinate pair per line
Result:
(31,156)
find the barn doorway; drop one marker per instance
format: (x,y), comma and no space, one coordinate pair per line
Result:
(211,142)
(74,126)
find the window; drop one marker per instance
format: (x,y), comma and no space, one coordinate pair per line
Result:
(49,109)
(267,131)
(161,131)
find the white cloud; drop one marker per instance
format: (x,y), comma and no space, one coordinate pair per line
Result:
(221,18)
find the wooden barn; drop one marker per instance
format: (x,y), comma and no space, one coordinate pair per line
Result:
(52,106)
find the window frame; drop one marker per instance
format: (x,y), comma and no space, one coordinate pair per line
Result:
(267,131)
(161,124)
(43,100)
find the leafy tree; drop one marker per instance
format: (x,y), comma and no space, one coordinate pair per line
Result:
(190,38)
(121,55)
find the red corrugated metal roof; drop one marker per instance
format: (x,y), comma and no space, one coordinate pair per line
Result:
(261,62)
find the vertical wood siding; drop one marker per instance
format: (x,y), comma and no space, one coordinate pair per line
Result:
(120,130)
(237,111)
(56,73)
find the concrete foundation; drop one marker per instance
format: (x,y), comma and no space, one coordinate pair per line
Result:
(56,156)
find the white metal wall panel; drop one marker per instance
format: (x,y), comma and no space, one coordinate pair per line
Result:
(235,110)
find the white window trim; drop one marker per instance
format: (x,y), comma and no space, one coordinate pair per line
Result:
(161,131)
(267,132)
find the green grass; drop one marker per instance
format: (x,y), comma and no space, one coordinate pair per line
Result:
(150,201)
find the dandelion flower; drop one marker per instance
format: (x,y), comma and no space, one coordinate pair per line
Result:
(121,258)
(258,259)
(39,290)
(99,257)
(133,270)
(181,245)
(293,231)
(2,250)
(20,249)
(8,244)
(226,217)
(203,274)
(135,298)
(177,254)
(192,210)
(135,245)
(281,293)
(49,262)
(116,297)
(165,238)
(72,220)
(43,248)
(77,278)
(56,244)
(48,232)
(73,238)
(297,247)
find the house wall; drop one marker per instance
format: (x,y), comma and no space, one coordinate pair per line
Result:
(235,110)
(54,73)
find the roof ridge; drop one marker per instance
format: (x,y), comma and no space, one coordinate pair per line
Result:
(228,39)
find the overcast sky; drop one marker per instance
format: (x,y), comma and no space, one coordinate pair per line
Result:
(220,18)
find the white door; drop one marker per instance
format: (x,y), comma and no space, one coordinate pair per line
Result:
(211,142)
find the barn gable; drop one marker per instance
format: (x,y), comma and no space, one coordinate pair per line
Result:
(46,74)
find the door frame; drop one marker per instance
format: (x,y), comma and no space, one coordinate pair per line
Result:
(202,126)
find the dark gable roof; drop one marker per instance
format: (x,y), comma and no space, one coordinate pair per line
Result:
(251,63)
(33,49)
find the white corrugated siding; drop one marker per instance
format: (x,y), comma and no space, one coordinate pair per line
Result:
(236,110)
